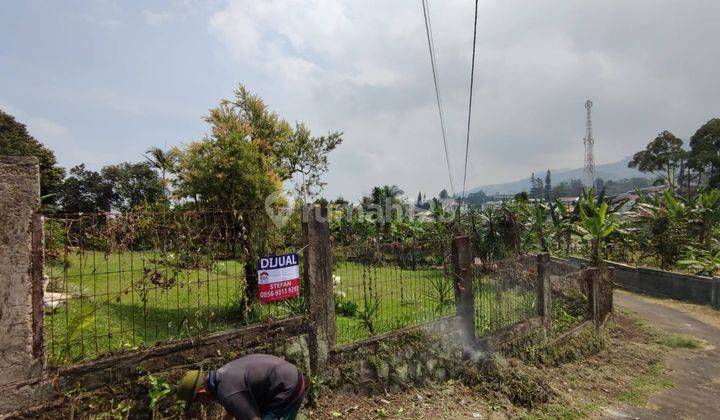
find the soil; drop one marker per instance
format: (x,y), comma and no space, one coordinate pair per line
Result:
(630,367)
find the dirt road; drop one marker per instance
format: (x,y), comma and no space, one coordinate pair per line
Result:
(694,374)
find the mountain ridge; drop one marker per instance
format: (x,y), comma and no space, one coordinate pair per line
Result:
(614,171)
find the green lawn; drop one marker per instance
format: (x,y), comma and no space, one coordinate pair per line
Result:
(411,297)
(127,300)
(123,301)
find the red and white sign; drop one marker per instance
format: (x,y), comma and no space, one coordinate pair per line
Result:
(278,277)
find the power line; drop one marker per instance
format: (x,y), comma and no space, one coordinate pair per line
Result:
(438,98)
(472,79)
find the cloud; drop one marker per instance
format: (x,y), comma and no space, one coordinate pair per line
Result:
(44,128)
(363,68)
(157,18)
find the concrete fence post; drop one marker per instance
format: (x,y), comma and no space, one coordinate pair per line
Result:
(21,305)
(463,280)
(542,288)
(319,285)
(600,293)
(38,287)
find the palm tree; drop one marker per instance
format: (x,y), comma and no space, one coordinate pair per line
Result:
(163,161)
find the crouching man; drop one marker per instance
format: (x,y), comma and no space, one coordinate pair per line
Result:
(254,387)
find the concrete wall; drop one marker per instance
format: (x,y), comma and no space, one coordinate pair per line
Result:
(687,287)
(20,358)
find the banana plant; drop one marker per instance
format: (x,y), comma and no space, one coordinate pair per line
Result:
(595,226)
(661,226)
(537,217)
(562,219)
(706,211)
(701,262)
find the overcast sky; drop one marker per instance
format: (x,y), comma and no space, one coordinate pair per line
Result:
(100,81)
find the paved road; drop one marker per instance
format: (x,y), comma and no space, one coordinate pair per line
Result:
(695,375)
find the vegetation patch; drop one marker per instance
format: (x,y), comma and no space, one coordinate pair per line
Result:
(677,341)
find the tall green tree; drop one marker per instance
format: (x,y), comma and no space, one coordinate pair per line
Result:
(86,191)
(443,194)
(662,157)
(164,162)
(548,187)
(133,184)
(704,155)
(537,187)
(247,156)
(15,140)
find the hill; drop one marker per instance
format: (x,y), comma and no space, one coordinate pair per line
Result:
(607,171)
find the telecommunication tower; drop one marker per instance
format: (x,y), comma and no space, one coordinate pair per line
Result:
(589,146)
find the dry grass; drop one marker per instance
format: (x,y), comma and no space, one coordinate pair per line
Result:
(628,370)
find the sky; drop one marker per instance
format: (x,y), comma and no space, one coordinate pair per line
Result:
(101,81)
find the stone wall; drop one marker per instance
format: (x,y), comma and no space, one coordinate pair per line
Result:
(413,356)
(21,359)
(78,391)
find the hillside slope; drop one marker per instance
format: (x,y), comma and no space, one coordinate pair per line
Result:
(607,171)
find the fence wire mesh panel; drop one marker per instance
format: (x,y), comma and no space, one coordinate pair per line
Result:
(504,293)
(381,288)
(116,282)
(569,295)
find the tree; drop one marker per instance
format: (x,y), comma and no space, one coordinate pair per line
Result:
(419,200)
(444,194)
(663,157)
(133,184)
(704,155)
(86,191)
(548,187)
(576,188)
(164,162)
(536,187)
(477,198)
(561,190)
(247,156)
(16,141)
(306,155)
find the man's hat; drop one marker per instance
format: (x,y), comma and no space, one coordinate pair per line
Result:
(189,385)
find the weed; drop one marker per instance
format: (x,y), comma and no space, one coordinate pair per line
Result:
(158,390)
(681,342)
(645,385)
(441,293)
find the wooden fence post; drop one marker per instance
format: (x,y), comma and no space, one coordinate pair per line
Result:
(463,281)
(542,288)
(319,285)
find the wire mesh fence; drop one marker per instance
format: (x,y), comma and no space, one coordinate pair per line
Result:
(116,282)
(569,295)
(504,293)
(381,288)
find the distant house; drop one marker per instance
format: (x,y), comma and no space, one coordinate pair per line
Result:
(569,202)
(450,205)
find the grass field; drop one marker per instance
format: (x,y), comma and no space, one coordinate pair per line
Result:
(122,301)
(125,301)
(389,298)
